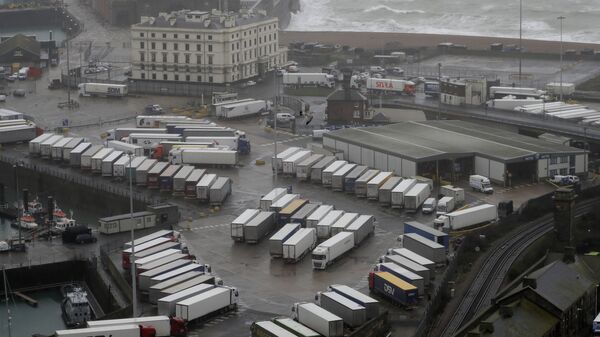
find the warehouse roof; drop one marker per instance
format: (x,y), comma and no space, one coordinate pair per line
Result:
(446,139)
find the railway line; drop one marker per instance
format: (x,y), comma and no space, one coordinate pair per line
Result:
(488,280)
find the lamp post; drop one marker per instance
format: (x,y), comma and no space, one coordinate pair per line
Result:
(275,109)
(133,272)
(561,18)
(439,90)
(520,40)
(16,167)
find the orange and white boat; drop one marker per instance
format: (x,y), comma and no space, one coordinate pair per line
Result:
(61,221)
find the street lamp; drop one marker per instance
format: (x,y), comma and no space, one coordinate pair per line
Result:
(439,90)
(133,272)
(520,40)
(275,109)
(16,167)
(561,18)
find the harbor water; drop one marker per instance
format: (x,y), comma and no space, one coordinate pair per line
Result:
(41,33)
(26,320)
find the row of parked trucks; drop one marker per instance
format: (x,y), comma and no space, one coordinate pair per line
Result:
(300,226)
(14,128)
(113,161)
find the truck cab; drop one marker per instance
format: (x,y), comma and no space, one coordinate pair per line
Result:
(429,206)
(320,258)
(442,221)
(481,184)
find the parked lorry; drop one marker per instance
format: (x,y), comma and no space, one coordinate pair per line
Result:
(154,293)
(385,191)
(277,161)
(309,79)
(403,274)
(219,191)
(424,247)
(296,328)
(350,179)
(148,141)
(46,145)
(165,326)
(455,192)
(481,184)
(409,254)
(301,215)
(259,226)
(343,222)
(427,232)
(429,206)
(57,148)
(205,278)
(371,304)
(146,246)
(316,171)
(180,179)
(300,243)
(168,233)
(176,272)
(126,147)
(303,169)
(34,144)
(333,248)
(121,133)
(166,305)
(286,213)
(290,163)
(391,85)
(127,167)
(324,226)
(269,329)
(467,217)
(141,172)
(219,299)
(189,189)
(237,225)
(77,152)
(165,180)
(362,227)
(393,288)
(146,121)
(126,330)
(276,241)
(409,265)
(203,157)
(400,191)
(318,215)
(268,199)
(102,89)
(98,158)
(107,163)
(318,319)
(146,276)
(242,109)
(337,180)
(444,205)
(352,313)
(70,146)
(203,187)
(282,202)
(414,198)
(327,173)
(557,89)
(360,185)
(376,183)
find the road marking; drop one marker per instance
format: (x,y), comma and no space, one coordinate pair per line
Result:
(195,229)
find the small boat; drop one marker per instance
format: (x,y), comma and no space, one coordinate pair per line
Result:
(61,221)
(27,221)
(75,306)
(35,206)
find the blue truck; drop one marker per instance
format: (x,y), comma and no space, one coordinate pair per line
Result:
(427,232)
(393,288)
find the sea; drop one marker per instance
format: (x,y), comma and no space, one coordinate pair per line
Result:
(456,17)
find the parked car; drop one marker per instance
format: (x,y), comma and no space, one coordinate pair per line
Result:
(250,83)
(85,238)
(4,246)
(13,77)
(2,98)
(19,93)
(285,117)
(154,109)
(565,180)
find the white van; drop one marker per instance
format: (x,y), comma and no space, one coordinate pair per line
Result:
(376,69)
(285,117)
(481,184)
(429,206)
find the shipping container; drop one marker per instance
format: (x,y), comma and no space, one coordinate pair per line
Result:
(34,144)
(126,253)
(154,293)
(70,146)
(318,215)
(46,145)
(403,274)
(362,227)
(394,288)
(97,159)
(126,147)
(191,181)
(217,299)
(414,198)
(160,233)
(360,184)
(108,161)
(318,319)
(158,260)
(424,247)
(202,279)
(324,226)
(316,171)
(76,154)
(176,272)
(290,163)
(427,232)
(57,148)
(180,178)
(124,222)
(296,328)
(329,251)
(203,186)
(276,241)
(141,172)
(296,247)
(219,191)
(166,305)
(304,168)
(371,304)
(409,254)
(261,225)
(283,202)
(269,329)
(238,224)
(288,211)
(350,179)
(353,314)
(337,180)
(131,167)
(144,282)
(400,190)
(277,161)
(154,173)
(302,214)
(327,173)
(410,265)
(468,217)
(267,200)
(374,184)
(165,180)
(343,222)
(385,192)
(17,133)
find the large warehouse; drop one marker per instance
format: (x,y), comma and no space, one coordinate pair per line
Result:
(453,150)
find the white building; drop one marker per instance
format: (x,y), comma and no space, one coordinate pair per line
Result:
(207,47)
(463,91)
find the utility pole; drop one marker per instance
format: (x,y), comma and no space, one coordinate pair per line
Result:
(520,41)
(440,91)
(6,299)
(16,167)
(275,110)
(68,72)
(561,18)
(133,272)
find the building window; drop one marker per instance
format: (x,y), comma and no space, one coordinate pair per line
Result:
(244,44)
(164,46)
(232,36)
(174,36)
(210,59)
(199,78)
(210,48)
(153,57)
(210,79)
(175,58)
(260,40)
(553,160)
(164,57)
(356,111)
(187,36)
(197,37)
(564,171)
(198,48)
(564,159)
(232,58)
(187,46)
(175,68)
(274,36)
(165,77)
(141,34)
(153,67)
(187,78)
(142,45)
(175,46)
(176,77)
(187,58)
(153,45)
(210,37)
(153,76)
(164,36)
(198,59)
(152,35)
(143,76)
(165,67)
(232,46)
(142,56)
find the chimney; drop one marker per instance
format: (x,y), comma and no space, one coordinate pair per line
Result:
(50,208)
(530,282)
(26,199)
(50,35)
(347,75)
(486,327)
(506,311)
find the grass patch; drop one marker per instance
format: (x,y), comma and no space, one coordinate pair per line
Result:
(590,85)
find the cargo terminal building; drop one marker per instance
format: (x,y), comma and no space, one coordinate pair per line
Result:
(452,150)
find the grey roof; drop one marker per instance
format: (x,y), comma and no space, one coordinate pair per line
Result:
(340,95)
(446,139)
(162,21)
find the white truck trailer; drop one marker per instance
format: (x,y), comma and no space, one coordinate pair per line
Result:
(309,79)
(403,274)
(302,242)
(237,225)
(163,325)
(318,319)
(408,264)
(259,226)
(242,109)
(34,144)
(468,217)
(282,202)
(360,185)
(343,222)
(328,251)
(277,161)
(371,304)
(103,89)
(203,186)
(318,215)
(180,179)
(166,305)
(46,145)
(290,163)
(353,314)
(414,198)
(327,174)
(276,241)
(424,247)
(362,227)
(316,171)
(218,299)
(409,254)
(268,199)
(108,161)
(70,146)
(203,157)
(400,190)
(456,192)
(337,180)
(324,226)
(126,147)
(391,85)
(57,148)
(385,191)
(444,205)
(98,158)
(75,154)
(303,168)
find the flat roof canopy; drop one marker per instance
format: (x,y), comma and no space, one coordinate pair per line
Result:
(448,139)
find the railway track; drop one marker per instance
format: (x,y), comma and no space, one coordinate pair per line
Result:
(488,280)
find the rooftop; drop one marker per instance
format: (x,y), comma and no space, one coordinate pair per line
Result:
(447,139)
(186,19)
(340,95)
